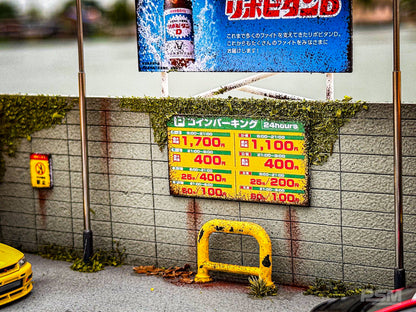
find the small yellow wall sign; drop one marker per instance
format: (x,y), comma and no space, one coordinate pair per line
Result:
(238,159)
(40,170)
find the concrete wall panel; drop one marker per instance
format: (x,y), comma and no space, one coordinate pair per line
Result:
(346,233)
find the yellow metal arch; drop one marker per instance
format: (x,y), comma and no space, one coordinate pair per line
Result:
(264,271)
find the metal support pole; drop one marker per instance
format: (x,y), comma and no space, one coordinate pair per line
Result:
(399,272)
(165,84)
(330,91)
(87,235)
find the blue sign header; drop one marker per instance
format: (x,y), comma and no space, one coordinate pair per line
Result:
(245,35)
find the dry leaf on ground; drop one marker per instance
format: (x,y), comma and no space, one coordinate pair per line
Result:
(176,274)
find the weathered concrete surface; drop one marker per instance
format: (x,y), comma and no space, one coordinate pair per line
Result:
(346,233)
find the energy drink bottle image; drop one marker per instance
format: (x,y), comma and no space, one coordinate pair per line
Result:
(179,33)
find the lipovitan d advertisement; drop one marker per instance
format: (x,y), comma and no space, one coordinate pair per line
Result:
(244,35)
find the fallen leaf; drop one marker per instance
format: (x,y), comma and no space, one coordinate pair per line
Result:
(176,274)
(186,280)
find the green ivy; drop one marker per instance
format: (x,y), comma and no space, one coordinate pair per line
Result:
(56,252)
(336,289)
(322,119)
(101,258)
(22,115)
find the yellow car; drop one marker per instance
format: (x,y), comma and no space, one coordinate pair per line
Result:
(15,274)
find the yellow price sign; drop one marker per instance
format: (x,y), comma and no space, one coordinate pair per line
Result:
(40,170)
(238,159)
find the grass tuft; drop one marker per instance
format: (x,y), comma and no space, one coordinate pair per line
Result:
(259,289)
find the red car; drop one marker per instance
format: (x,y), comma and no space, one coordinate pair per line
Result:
(403,300)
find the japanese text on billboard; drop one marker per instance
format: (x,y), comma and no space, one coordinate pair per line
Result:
(245,35)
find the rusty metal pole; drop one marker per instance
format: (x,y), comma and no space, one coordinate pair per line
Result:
(399,272)
(165,84)
(87,234)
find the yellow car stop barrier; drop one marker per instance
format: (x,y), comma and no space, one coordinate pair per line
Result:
(264,271)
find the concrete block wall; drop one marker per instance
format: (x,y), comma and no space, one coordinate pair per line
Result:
(347,232)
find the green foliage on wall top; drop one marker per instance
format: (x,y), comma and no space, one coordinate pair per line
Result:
(322,119)
(21,116)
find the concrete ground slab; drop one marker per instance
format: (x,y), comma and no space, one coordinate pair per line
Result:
(59,289)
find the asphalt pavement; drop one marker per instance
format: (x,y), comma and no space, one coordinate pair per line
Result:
(57,288)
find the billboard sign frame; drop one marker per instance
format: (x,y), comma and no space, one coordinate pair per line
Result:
(242,159)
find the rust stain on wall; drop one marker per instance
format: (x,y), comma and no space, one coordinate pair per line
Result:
(105,115)
(193,214)
(288,233)
(295,233)
(43,195)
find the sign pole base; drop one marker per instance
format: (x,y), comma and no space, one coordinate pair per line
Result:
(399,278)
(88,245)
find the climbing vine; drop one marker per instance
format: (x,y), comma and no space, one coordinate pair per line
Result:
(21,116)
(322,119)
(337,289)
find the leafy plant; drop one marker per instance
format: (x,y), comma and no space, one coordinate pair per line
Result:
(259,289)
(322,119)
(101,258)
(90,267)
(121,13)
(8,10)
(114,257)
(55,252)
(335,289)
(408,8)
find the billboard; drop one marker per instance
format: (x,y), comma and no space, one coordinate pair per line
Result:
(238,159)
(244,35)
